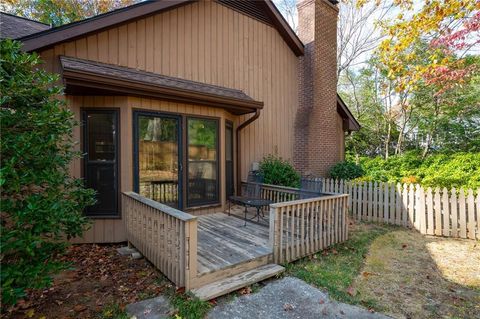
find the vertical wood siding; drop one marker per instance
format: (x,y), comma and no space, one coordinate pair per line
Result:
(203,41)
(208,42)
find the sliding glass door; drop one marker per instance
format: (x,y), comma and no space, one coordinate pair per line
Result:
(158,157)
(158,148)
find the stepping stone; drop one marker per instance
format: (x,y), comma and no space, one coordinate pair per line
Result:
(155,308)
(126,251)
(289,298)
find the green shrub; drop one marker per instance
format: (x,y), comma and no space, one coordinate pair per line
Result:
(436,170)
(346,170)
(41,204)
(277,171)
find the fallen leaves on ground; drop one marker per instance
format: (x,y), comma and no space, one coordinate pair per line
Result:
(288,307)
(245,291)
(99,277)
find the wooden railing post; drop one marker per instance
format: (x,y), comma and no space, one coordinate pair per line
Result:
(274,233)
(190,253)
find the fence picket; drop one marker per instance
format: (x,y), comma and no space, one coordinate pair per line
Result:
(420,213)
(446,212)
(430,217)
(462,213)
(411,205)
(471,214)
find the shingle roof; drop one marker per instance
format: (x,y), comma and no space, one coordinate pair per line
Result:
(75,68)
(14,27)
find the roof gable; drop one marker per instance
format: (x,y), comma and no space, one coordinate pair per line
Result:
(264,11)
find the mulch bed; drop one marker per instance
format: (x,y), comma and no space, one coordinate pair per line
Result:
(99,277)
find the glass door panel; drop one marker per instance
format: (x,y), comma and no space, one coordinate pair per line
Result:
(157,151)
(202,161)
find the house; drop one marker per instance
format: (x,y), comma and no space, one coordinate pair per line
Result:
(178,98)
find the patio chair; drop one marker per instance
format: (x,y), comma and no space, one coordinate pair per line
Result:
(251,196)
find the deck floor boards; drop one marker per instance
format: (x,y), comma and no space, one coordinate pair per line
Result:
(223,241)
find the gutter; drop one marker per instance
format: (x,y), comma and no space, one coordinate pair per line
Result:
(237,136)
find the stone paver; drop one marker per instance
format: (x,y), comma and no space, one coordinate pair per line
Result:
(155,308)
(289,298)
(126,251)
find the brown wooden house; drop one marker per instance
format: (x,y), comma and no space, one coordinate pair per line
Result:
(178,98)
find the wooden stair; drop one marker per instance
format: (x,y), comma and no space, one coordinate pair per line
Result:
(235,282)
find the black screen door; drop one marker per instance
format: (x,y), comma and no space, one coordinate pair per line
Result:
(230,188)
(101,160)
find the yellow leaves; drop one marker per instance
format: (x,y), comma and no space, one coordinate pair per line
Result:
(397,52)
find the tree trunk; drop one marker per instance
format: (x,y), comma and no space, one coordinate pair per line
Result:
(387,139)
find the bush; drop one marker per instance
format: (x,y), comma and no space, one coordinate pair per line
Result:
(437,170)
(41,205)
(277,171)
(346,170)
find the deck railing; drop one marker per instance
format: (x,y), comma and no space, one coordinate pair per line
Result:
(303,227)
(166,236)
(278,194)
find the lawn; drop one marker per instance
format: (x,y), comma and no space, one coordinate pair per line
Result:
(383,268)
(399,272)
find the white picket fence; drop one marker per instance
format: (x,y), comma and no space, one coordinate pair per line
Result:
(438,212)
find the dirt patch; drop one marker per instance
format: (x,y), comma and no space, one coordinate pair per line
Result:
(99,278)
(412,276)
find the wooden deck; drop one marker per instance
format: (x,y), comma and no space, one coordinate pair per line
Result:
(224,241)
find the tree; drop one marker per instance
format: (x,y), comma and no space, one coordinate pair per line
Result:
(451,28)
(58,12)
(41,204)
(358,33)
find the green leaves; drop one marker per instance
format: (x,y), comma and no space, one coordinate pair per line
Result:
(277,171)
(346,170)
(41,204)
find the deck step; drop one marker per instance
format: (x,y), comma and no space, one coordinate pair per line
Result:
(227,285)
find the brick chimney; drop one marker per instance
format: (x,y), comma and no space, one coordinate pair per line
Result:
(317,146)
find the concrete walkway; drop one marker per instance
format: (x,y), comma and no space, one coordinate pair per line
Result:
(289,298)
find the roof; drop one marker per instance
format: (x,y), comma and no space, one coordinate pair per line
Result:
(80,74)
(77,29)
(351,123)
(13,27)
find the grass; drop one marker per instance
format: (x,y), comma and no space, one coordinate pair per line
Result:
(189,307)
(399,272)
(410,276)
(335,269)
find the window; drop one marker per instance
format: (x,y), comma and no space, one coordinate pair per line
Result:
(101,160)
(202,161)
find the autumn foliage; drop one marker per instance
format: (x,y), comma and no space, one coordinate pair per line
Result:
(450,27)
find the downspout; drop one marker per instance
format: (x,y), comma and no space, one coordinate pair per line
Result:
(237,137)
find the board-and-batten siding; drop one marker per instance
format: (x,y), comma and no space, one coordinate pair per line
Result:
(208,42)
(203,41)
